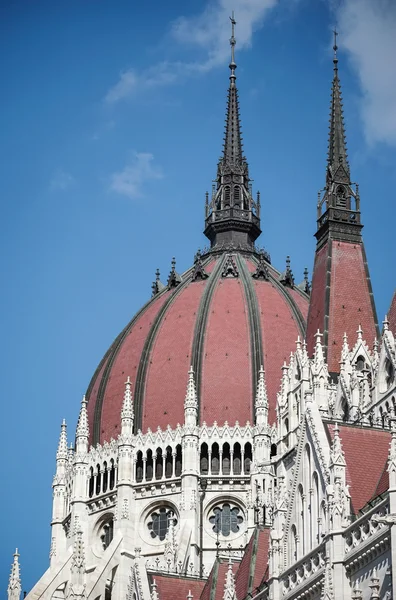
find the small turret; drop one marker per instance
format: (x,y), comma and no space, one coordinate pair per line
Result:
(261,400)
(127,415)
(229,586)
(191,401)
(82,432)
(14,586)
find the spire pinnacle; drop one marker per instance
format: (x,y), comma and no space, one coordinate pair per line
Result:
(232,44)
(229,586)
(14,586)
(335,47)
(62,452)
(82,425)
(261,399)
(127,406)
(232,216)
(337,144)
(340,194)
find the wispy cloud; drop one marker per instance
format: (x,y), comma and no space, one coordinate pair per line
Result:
(209,31)
(130,181)
(368,33)
(60,181)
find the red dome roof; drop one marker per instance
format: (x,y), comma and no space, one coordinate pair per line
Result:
(226,327)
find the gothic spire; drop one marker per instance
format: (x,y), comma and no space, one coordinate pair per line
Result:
(232,216)
(339,202)
(337,154)
(232,152)
(14,585)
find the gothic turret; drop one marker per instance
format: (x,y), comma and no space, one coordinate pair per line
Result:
(232,216)
(341,295)
(14,585)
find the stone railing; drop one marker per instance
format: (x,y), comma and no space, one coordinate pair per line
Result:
(304,572)
(365,529)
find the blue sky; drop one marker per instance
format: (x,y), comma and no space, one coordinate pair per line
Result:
(111,126)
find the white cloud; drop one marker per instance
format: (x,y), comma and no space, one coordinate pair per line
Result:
(60,181)
(209,30)
(368,33)
(130,181)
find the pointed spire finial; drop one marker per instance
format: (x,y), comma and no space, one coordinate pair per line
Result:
(335,47)
(82,425)
(127,406)
(154,593)
(318,352)
(14,586)
(229,586)
(261,399)
(191,400)
(62,452)
(232,44)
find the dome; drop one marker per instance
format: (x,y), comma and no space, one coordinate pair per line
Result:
(226,316)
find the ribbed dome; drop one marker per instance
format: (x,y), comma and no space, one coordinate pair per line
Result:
(226,325)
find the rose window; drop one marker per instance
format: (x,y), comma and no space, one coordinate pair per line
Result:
(158,523)
(226,519)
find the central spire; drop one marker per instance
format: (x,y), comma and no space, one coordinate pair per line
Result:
(232,216)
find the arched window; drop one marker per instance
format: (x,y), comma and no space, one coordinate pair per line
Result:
(308,504)
(98,480)
(178,465)
(204,461)
(300,519)
(139,466)
(112,474)
(107,534)
(236,459)
(382,416)
(237,196)
(168,463)
(341,200)
(360,363)
(225,458)
(293,546)
(390,373)
(149,465)
(315,509)
(215,466)
(274,450)
(105,477)
(227,196)
(159,465)
(91,483)
(345,410)
(287,433)
(247,459)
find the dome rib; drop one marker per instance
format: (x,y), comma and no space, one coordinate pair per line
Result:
(256,342)
(200,326)
(112,355)
(141,375)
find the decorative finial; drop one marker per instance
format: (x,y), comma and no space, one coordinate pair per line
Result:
(335,47)
(232,43)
